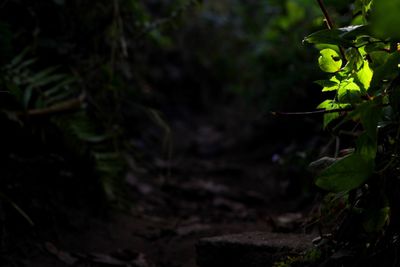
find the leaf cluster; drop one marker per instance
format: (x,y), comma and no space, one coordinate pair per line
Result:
(362,62)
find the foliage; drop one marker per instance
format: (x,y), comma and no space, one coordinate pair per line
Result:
(96,74)
(362,62)
(68,90)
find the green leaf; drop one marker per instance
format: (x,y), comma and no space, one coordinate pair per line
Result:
(362,6)
(329,105)
(366,146)
(61,96)
(59,86)
(23,65)
(345,174)
(388,70)
(47,80)
(329,60)
(354,31)
(37,77)
(369,113)
(354,59)
(365,75)
(27,96)
(342,36)
(18,59)
(329,85)
(370,117)
(376,45)
(349,91)
(327,37)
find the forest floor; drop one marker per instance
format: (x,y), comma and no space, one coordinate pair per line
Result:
(219,180)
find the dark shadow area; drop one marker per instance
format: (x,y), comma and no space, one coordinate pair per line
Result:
(132,129)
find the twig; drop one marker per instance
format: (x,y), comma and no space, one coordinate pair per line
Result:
(320,111)
(329,23)
(328,19)
(67,105)
(315,112)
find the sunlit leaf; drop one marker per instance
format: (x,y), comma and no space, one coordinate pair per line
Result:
(329,60)
(329,85)
(349,91)
(365,75)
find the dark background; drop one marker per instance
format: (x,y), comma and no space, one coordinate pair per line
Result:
(162,122)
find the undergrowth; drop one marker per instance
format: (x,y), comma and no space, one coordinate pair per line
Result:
(359,223)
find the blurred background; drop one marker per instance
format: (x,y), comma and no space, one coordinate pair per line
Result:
(154,109)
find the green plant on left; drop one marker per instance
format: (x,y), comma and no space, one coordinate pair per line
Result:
(81,85)
(56,97)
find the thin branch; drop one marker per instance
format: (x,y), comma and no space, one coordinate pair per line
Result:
(315,112)
(328,19)
(68,105)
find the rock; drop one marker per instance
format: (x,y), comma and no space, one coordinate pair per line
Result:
(258,249)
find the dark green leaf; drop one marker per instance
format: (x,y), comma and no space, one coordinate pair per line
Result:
(376,45)
(329,105)
(366,146)
(327,37)
(47,80)
(354,59)
(18,59)
(345,174)
(386,19)
(37,77)
(342,36)
(389,70)
(354,31)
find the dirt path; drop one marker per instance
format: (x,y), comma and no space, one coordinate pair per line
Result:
(213,185)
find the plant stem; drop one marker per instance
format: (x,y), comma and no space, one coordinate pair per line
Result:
(328,19)
(315,112)
(67,105)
